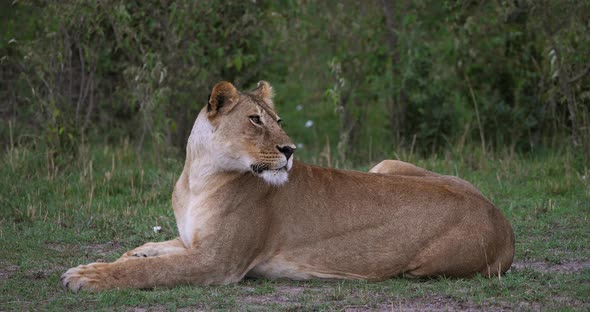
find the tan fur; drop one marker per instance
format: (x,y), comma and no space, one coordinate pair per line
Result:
(235,221)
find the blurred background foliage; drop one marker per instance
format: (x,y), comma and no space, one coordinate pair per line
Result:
(356,81)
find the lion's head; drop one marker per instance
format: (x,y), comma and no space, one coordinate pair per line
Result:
(240,131)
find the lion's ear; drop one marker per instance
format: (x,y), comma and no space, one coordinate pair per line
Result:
(264,90)
(222,98)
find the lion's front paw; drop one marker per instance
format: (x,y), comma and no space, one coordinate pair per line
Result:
(143,252)
(88,277)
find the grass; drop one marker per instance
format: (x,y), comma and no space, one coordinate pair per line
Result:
(105,201)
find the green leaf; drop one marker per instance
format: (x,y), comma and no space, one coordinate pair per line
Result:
(238,62)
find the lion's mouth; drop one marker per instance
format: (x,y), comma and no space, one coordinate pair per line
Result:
(260,168)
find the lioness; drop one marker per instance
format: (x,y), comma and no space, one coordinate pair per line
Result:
(244,207)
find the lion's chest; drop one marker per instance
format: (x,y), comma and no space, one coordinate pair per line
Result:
(196,219)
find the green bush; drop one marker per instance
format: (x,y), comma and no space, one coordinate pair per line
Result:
(374,77)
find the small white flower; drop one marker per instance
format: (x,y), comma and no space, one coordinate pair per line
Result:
(299,145)
(299,107)
(309,124)
(157,229)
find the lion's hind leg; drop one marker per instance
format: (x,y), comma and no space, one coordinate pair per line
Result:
(398,167)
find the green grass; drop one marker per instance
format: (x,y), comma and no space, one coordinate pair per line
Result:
(105,201)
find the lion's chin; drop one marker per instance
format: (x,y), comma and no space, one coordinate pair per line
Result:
(275,177)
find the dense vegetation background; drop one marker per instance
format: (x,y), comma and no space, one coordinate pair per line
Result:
(356,81)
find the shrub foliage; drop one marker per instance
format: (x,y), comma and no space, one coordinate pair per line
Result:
(355,80)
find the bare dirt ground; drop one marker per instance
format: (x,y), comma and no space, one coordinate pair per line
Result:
(546,267)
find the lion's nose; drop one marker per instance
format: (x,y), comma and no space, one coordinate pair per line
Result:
(286,150)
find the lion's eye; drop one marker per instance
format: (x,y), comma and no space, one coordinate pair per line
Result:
(255,119)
